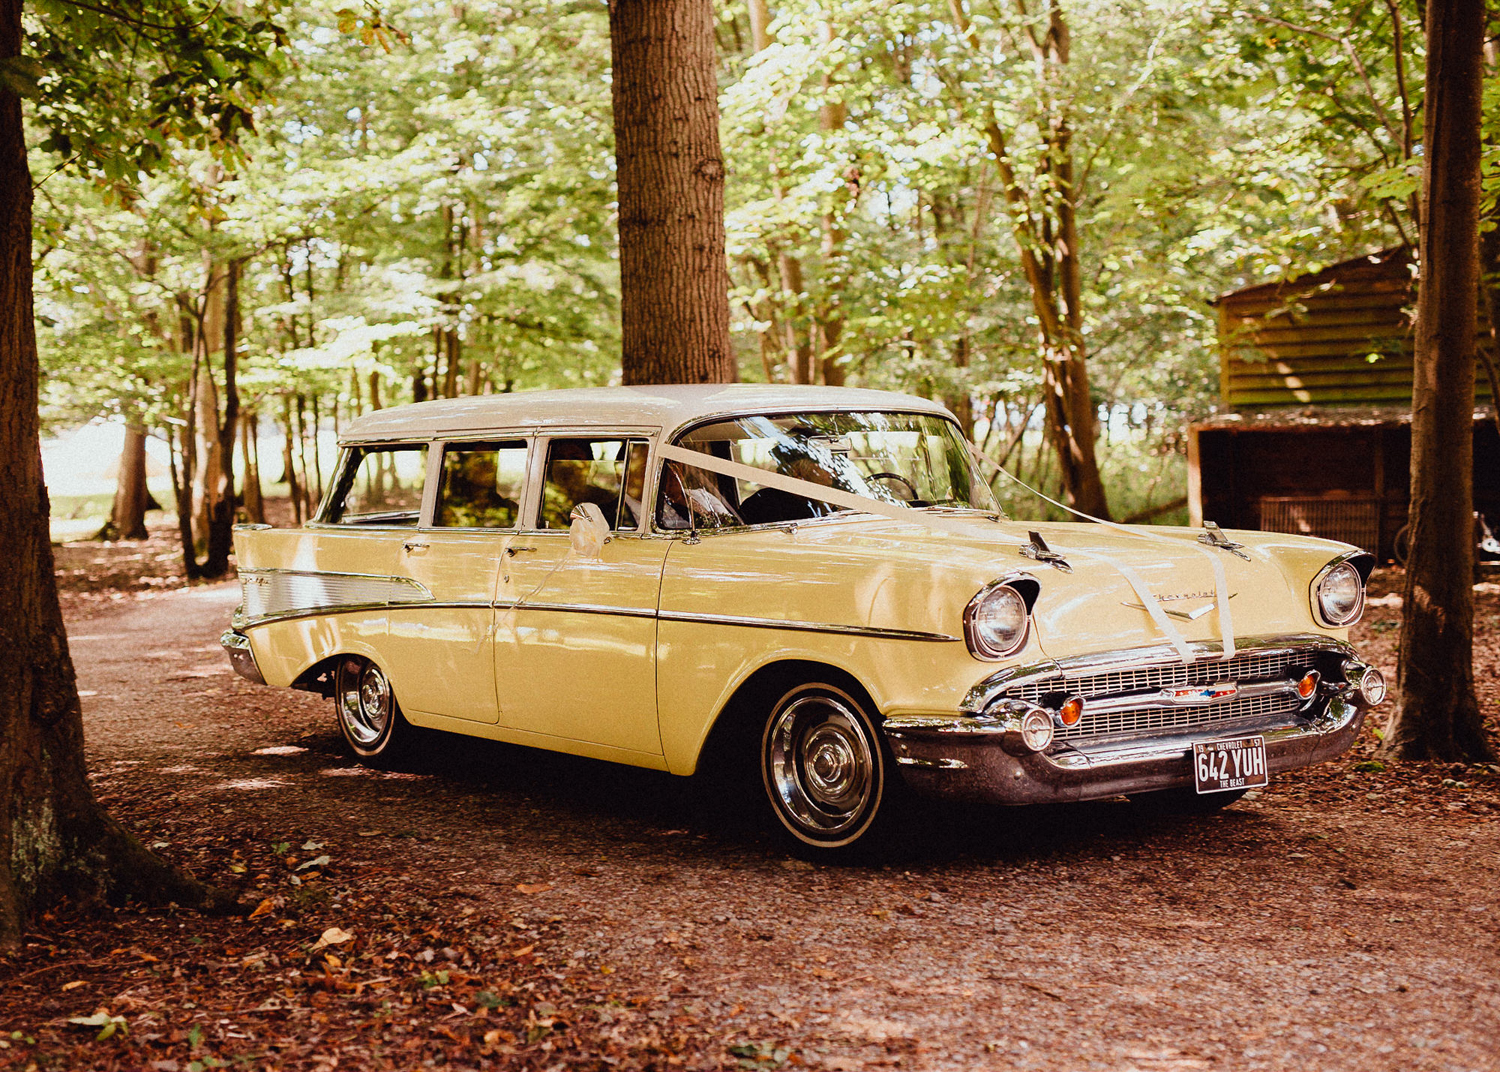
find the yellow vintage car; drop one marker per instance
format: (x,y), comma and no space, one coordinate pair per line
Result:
(811,582)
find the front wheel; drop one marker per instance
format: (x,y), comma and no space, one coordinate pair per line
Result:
(824,766)
(369,716)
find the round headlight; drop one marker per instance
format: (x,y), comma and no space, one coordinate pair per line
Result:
(1340,595)
(996,622)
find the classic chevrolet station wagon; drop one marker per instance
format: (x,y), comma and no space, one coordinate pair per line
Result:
(813,582)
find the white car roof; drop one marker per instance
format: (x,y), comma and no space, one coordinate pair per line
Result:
(668,407)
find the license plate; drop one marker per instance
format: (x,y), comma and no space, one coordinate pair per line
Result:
(1234,763)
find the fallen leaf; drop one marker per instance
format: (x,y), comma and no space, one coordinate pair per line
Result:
(317,861)
(537,887)
(332,936)
(75,984)
(265,908)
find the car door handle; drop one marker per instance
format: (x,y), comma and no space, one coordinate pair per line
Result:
(512,552)
(412,547)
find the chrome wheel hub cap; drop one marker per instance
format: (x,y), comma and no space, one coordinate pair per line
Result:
(365,705)
(820,765)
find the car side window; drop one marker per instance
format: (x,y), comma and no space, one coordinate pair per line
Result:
(481,485)
(610,473)
(379,486)
(691,498)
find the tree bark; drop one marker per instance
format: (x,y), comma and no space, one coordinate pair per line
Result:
(221,506)
(55,840)
(1438,715)
(674,279)
(127,517)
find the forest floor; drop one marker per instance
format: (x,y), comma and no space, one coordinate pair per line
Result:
(498,907)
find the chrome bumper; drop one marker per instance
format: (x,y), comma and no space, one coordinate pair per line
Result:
(237,646)
(965,759)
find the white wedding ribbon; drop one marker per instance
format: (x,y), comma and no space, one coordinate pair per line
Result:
(867,504)
(1221,581)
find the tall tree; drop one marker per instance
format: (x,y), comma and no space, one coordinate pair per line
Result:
(1438,716)
(674,279)
(55,839)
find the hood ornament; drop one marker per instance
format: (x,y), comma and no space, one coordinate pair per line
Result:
(1214,536)
(1038,550)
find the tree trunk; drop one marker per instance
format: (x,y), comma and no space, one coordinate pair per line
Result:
(1438,716)
(289,461)
(221,507)
(55,840)
(674,279)
(208,471)
(255,505)
(1043,221)
(127,517)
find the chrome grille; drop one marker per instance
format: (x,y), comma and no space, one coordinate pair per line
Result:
(1145,720)
(1247,666)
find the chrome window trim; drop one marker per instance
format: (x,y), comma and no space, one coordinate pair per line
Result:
(440,448)
(317,518)
(1145,658)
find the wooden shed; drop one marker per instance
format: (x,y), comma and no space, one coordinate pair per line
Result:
(1315,375)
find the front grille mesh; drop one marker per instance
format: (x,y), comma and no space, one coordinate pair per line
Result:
(1146,720)
(1243,668)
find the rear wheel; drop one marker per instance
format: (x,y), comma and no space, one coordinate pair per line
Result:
(369,716)
(824,765)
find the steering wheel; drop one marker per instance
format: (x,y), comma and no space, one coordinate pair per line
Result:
(897,476)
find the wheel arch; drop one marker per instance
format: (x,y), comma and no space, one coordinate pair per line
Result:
(738,719)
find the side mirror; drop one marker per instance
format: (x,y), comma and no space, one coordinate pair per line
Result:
(588,531)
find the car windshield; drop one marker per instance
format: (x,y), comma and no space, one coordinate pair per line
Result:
(916,460)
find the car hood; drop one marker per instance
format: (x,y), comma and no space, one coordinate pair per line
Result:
(1092,606)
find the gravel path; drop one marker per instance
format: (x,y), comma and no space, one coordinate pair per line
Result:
(1341,919)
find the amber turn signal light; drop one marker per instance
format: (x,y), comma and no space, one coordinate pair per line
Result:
(1070,712)
(1308,685)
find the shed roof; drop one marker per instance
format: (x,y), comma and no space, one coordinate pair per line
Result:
(1395,261)
(668,407)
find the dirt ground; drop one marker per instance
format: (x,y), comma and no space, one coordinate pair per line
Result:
(496,907)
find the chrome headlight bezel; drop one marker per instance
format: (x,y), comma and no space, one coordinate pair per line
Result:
(1357,563)
(1021,587)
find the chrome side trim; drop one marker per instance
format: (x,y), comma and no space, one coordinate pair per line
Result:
(240,621)
(876,632)
(807,627)
(1156,655)
(580,608)
(269,594)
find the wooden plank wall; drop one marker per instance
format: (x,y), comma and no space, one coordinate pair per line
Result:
(1337,337)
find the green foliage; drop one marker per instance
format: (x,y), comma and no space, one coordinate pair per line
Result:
(411,183)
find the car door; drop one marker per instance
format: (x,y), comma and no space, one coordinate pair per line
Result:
(442,651)
(575,639)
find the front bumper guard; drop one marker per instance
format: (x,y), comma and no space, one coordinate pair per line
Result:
(237,646)
(965,758)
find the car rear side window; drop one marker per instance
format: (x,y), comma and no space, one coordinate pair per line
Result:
(481,485)
(379,486)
